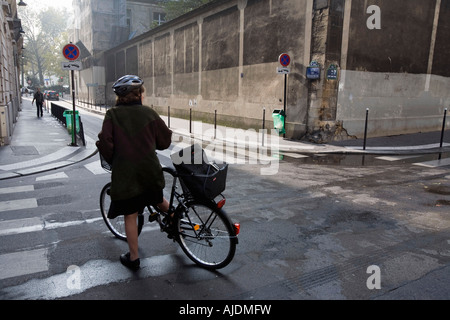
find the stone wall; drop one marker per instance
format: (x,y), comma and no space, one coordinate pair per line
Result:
(395,66)
(391,58)
(223,57)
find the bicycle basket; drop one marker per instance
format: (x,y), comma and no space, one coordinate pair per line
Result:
(105,165)
(204,180)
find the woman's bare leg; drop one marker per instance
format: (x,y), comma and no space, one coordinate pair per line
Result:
(131,231)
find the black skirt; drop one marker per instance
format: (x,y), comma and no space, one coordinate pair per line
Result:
(133,205)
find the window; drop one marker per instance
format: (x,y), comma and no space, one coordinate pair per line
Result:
(159,18)
(129,20)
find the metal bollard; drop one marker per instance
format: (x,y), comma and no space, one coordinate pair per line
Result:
(263,125)
(365,129)
(168,116)
(215,124)
(190,120)
(443,127)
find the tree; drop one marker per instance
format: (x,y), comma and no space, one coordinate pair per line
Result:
(176,8)
(45,34)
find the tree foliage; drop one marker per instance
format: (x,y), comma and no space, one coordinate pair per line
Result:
(45,36)
(176,8)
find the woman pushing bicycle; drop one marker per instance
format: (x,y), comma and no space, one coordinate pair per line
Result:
(131,133)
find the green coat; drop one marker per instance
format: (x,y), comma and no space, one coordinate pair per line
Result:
(129,138)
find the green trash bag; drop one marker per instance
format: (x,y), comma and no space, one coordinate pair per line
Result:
(278,121)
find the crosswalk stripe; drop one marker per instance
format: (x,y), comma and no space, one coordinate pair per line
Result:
(397,158)
(95,167)
(294,155)
(16,189)
(434,163)
(26,225)
(24,262)
(59,175)
(20,226)
(228,153)
(18,204)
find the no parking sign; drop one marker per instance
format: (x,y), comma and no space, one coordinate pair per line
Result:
(71,52)
(284,59)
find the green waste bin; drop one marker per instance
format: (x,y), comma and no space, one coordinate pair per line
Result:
(278,121)
(68,114)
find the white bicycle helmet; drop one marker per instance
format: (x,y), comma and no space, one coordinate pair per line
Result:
(126,84)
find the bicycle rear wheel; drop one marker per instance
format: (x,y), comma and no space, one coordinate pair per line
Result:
(207,235)
(116,225)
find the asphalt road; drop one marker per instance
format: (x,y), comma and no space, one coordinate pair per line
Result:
(313,230)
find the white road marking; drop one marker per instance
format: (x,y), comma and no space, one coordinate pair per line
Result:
(397,158)
(95,167)
(293,155)
(17,189)
(60,175)
(92,274)
(18,204)
(20,226)
(434,163)
(24,262)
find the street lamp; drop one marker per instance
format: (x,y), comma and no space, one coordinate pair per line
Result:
(21,3)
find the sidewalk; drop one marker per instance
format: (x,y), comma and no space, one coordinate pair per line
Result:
(417,143)
(39,144)
(42,144)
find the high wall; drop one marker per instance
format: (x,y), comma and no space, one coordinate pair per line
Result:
(395,62)
(391,57)
(223,57)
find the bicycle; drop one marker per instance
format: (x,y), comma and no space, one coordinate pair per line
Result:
(199,224)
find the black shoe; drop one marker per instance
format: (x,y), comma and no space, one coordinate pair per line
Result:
(133,265)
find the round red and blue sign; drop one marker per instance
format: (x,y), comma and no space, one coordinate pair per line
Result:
(71,52)
(284,59)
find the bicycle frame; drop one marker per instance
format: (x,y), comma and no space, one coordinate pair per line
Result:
(181,198)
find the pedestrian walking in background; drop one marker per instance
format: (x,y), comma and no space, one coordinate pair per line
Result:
(39,97)
(131,133)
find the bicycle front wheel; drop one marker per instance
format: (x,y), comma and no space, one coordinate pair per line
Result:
(116,225)
(207,235)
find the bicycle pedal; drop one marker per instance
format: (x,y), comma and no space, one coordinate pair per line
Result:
(153,217)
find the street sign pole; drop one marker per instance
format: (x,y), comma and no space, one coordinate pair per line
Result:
(285,97)
(285,60)
(74,134)
(72,52)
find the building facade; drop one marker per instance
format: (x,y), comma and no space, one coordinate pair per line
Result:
(347,56)
(11,42)
(100,25)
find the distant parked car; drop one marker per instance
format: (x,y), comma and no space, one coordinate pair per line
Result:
(52,95)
